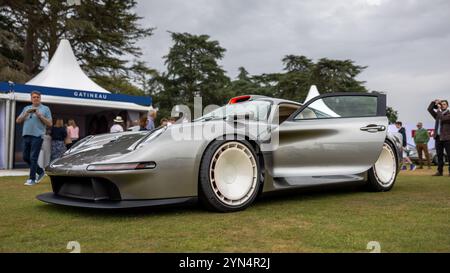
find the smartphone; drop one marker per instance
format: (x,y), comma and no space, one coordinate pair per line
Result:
(32,110)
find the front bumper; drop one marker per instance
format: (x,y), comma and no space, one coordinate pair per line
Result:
(148,184)
(52,198)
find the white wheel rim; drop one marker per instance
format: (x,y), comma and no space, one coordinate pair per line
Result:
(385,168)
(233,173)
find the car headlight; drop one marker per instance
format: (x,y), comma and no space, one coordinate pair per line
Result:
(122,166)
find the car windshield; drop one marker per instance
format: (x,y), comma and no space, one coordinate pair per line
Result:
(258,110)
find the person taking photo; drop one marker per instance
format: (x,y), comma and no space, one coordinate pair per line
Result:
(440,112)
(35,118)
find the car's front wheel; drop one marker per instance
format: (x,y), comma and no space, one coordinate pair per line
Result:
(382,175)
(229,176)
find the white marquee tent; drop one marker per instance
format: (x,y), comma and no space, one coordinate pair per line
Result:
(63,71)
(319,104)
(69,92)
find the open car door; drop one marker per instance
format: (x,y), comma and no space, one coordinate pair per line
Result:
(332,138)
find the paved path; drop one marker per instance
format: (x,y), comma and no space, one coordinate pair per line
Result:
(15,172)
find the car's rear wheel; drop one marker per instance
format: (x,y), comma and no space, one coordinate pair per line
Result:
(382,175)
(229,176)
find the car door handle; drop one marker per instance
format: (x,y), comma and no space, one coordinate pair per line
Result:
(373,128)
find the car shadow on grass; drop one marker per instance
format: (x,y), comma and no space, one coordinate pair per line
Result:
(268,199)
(310,193)
(127,212)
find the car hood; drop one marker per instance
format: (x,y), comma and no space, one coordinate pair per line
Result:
(126,147)
(100,148)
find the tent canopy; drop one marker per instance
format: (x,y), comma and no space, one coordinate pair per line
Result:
(63,71)
(318,104)
(64,82)
(312,93)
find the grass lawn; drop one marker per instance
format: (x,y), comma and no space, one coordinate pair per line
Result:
(413,217)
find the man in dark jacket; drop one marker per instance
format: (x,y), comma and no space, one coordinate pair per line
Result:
(441,113)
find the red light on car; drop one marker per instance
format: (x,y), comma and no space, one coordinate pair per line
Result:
(239,99)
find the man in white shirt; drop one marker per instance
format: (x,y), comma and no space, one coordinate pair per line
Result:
(117,127)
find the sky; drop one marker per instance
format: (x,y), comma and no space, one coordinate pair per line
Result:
(404,43)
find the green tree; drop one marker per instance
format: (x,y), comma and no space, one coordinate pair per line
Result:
(243,75)
(293,63)
(338,76)
(145,77)
(268,84)
(193,70)
(11,51)
(301,72)
(120,84)
(243,84)
(391,114)
(103,34)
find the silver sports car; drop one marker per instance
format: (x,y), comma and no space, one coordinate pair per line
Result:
(226,158)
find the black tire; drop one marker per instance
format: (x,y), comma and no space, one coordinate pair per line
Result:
(374,182)
(208,196)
